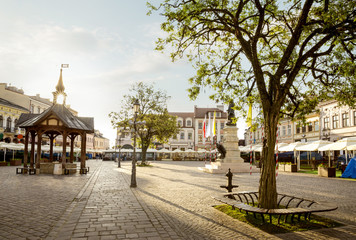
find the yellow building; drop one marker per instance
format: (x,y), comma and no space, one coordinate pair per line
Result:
(9,114)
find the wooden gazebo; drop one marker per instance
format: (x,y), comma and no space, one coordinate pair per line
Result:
(56,120)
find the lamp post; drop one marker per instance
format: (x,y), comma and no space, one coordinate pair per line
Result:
(119,161)
(136,108)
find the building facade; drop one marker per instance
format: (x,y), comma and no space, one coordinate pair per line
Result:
(185,139)
(330,121)
(9,115)
(13,102)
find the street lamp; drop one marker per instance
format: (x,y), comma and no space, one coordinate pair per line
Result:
(136,108)
(120,138)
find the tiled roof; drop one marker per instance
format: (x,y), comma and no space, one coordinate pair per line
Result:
(182,114)
(68,119)
(200,112)
(11,104)
(42,100)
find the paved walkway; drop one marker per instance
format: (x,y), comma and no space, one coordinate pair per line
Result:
(172,201)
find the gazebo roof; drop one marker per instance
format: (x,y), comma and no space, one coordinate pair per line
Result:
(63,114)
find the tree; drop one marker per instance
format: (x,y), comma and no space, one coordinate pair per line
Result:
(284,57)
(159,125)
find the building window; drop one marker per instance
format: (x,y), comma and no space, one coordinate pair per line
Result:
(345,120)
(200,125)
(190,136)
(211,114)
(222,125)
(326,123)
(38,110)
(316,125)
(310,127)
(32,109)
(284,131)
(304,128)
(189,123)
(200,137)
(8,123)
(354,118)
(218,114)
(182,135)
(2,121)
(298,128)
(335,121)
(180,123)
(289,130)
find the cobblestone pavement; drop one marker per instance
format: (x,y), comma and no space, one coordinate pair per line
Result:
(172,201)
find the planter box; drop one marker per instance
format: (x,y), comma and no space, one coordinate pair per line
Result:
(326,172)
(3,164)
(290,168)
(281,167)
(17,162)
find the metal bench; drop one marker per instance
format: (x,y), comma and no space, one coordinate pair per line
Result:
(287,205)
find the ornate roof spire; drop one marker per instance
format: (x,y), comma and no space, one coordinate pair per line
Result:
(59,90)
(60,87)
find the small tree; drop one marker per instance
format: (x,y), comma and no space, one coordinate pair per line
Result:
(159,126)
(286,57)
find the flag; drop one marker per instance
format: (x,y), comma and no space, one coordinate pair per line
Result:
(208,127)
(214,125)
(249,116)
(204,127)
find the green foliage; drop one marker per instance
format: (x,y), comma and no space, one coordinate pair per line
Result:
(285,57)
(297,53)
(159,126)
(315,222)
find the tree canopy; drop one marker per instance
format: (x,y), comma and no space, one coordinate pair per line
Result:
(283,56)
(159,125)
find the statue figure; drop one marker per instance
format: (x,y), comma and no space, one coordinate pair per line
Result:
(221,150)
(230,113)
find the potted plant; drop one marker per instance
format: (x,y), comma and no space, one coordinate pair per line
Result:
(325,171)
(290,167)
(281,166)
(16,162)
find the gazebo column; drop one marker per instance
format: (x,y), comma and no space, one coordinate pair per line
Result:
(64,149)
(51,139)
(25,154)
(83,150)
(32,156)
(39,144)
(72,137)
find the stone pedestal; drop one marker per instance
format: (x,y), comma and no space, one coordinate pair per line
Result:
(232,158)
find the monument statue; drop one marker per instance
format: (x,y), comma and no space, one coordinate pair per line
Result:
(221,150)
(231,114)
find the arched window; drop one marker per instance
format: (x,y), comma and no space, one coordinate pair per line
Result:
(180,123)
(1,121)
(189,123)
(8,123)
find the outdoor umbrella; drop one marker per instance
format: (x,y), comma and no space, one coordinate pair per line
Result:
(292,148)
(342,144)
(314,146)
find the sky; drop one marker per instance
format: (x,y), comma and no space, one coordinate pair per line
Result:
(109,46)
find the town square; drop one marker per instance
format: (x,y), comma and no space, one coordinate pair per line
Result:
(178,119)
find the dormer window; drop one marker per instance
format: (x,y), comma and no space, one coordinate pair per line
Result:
(189,123)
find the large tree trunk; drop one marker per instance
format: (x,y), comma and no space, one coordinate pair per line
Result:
(268,187)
